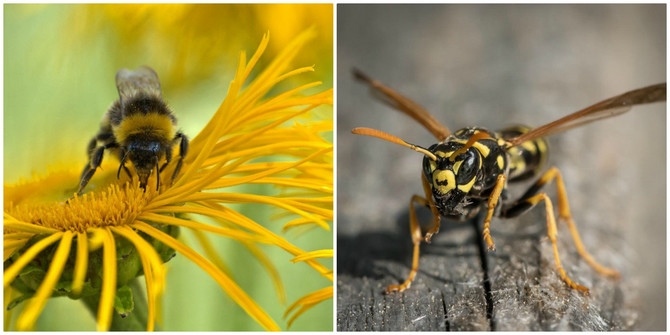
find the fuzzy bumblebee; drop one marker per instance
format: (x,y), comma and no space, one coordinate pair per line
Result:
(139,127)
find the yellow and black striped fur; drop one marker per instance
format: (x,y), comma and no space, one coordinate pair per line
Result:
(139,127)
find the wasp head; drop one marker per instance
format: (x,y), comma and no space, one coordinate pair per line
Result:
(452,178)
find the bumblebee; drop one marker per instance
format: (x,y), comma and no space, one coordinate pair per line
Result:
(139,127)
(468,171)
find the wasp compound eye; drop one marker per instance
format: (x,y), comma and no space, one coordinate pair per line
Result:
(466,168)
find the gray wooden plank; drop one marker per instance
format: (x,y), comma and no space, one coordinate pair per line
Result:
(491,66)
(528,294)
(447,295)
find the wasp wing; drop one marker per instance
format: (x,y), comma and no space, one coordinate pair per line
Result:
(611,107)
(144,80)
(405,105)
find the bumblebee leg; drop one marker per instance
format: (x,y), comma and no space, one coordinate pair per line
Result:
(168,158)
(532,198)
(91,147)
(493,202)
(95,157)
(183,150)
(84,179)
(415,230)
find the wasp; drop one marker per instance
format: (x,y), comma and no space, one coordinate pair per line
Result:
(469,170)
(139,127)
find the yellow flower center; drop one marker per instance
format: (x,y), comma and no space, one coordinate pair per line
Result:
(117,204)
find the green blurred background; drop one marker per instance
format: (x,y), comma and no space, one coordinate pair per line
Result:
(59,68)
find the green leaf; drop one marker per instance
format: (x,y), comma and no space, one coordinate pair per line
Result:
(123,302)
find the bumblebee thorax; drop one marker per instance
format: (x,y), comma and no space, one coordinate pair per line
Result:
(152,126)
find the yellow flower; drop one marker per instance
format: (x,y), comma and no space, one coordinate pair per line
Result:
(176,30)
(92,247)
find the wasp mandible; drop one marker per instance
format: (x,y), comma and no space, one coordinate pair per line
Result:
(468,170)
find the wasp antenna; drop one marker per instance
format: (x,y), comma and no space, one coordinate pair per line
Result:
(393,139)
(479,135)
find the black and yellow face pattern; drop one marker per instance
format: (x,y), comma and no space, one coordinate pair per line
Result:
(461,183)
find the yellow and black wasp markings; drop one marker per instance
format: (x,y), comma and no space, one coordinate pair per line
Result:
(469,170)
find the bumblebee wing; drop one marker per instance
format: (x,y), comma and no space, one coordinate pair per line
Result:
(132,83)
(607,108)
(405,105)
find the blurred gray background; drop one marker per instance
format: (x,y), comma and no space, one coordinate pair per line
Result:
(496,65)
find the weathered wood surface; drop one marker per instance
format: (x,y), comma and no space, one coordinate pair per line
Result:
(493,66)
(451,291)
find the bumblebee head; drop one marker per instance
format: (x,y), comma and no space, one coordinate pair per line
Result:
(144,154)
(452,174)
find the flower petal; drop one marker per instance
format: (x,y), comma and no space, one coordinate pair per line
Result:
(13,270)
(308,301)
(229,286)
(36,304)
(81,264)
(109,273)
(154,271)
(324,253)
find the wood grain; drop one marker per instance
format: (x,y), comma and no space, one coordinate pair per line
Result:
(451,291)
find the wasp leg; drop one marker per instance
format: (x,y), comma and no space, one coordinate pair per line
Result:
(415,230)
(431,204)
(492,203)
(532,198)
